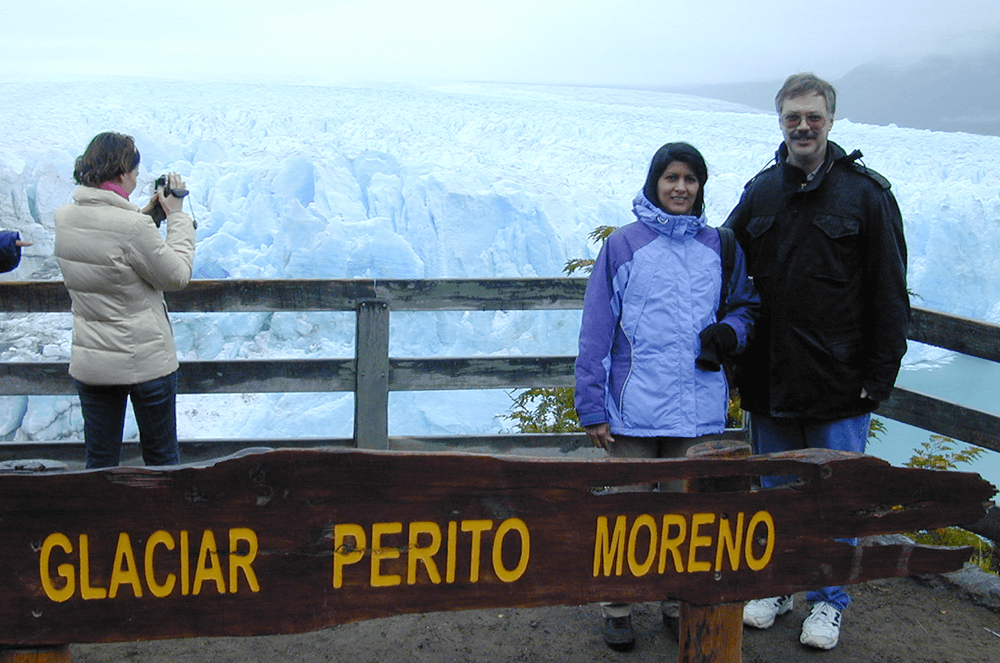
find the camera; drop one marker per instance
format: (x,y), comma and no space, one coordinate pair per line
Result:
(157,212)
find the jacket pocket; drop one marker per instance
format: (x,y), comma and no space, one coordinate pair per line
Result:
(836,227)
(759,225)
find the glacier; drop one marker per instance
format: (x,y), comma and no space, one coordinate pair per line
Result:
(438,181)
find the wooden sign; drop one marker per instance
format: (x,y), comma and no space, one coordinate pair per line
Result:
(292,541)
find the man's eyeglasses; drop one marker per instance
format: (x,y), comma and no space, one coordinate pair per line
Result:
(792,120)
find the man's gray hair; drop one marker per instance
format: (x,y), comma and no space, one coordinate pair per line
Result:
(797,85)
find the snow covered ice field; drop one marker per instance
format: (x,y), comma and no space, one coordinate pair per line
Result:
(432,182)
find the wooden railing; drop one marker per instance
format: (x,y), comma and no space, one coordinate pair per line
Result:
(371,374)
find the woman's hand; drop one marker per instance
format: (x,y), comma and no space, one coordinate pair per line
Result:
(600,436)
(171,203)
(21,242)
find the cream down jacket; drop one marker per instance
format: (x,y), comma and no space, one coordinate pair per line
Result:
(116,266)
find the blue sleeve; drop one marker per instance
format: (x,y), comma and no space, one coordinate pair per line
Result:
(10,252)
(743,306)
(601,308)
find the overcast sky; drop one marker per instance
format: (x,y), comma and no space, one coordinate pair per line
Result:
(644,43)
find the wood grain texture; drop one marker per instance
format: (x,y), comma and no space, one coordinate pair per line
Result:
(531,524)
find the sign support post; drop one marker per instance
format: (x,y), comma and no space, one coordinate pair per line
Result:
(713,633)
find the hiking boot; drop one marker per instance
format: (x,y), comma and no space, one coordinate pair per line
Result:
(618,633)
(760,613)
(821,629)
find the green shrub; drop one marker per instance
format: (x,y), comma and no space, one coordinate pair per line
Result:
(943,453)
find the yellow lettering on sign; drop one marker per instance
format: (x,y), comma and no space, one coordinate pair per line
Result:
(424,545)
(423,554)
(699,541)
(73,576)
(159,538)
(672,543)
(638,568)
(64,571)
(452,560)
(476,528)
(209,567)
(344,554)
(185,563)
(123,572)
(730,543)
(511,525)
(379,553)
(609,549)
(86,591)
(242,563)
(680,538)
(760,518)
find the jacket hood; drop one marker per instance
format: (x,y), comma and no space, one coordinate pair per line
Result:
(671,225)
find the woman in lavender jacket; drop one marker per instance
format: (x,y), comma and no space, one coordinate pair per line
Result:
(649,312)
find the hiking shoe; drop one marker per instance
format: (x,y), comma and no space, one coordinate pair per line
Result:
(760,613)
(618,633)
(821,629)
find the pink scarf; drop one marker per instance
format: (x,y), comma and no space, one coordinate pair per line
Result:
(114,187)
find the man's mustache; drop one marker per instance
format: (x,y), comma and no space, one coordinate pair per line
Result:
(803,135)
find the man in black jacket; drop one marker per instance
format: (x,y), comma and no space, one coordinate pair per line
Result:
(824,244)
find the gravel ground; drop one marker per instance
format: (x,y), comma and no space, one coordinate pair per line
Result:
(898,620)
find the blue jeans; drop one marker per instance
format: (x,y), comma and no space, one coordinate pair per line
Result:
(774,434)
(154,404)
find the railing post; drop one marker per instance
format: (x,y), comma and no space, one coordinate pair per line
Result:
(371,393)
(713,633)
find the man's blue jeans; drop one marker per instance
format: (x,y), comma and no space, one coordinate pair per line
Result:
(154,404)
(774,434)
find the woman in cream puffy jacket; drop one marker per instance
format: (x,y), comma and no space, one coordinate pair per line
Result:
(116,266)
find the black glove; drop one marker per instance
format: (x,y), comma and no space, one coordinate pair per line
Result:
(717,341)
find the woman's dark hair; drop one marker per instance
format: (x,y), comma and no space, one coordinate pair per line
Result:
(666,155)
(109,155)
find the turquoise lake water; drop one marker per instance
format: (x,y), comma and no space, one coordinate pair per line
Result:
(964,380)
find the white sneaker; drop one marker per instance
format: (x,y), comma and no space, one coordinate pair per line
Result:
(821,629)
(760,613)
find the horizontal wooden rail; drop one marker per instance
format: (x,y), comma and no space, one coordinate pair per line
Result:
(330,295)
(316,375)
(379,375)
(943,417)
(952,332)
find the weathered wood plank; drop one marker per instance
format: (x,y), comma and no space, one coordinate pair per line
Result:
(483,294)
(245,295)
(319,375)
(266,376)
(236,295)
(200,450)
(34,296)
(291,541)
(371,393)
(208,449)
(943,417)
(427,374)
(965,335)
(988,526)
(35,378)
